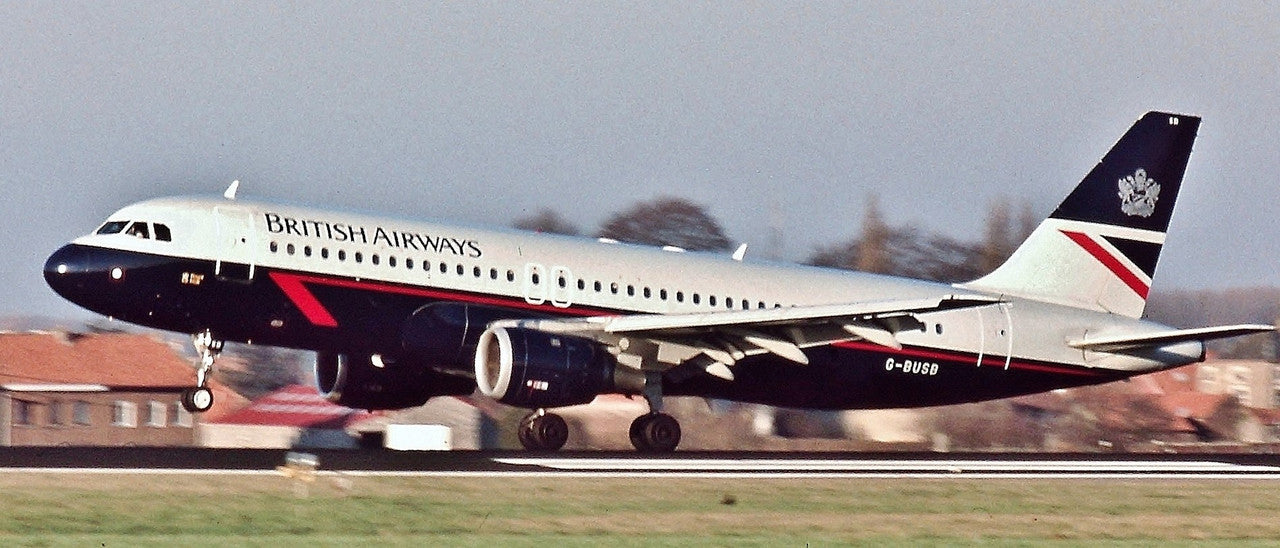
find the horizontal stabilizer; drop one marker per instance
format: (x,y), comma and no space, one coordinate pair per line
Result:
(1160,338)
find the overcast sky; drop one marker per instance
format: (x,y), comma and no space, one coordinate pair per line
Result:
(784,115)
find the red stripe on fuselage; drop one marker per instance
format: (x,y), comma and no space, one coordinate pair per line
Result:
(1108,260)
(294,287)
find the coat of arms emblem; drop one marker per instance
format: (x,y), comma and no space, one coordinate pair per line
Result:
(1138,194)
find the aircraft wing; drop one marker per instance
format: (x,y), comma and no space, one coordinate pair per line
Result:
(1128,342)
(717,340)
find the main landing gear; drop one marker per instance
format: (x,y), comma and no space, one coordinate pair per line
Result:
(200,398)
(654,432)
(650,433)
(543,431)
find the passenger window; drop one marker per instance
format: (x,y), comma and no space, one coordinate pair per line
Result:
(596,286)
(475,271)
(162,233)
(289,249)
(647,293)
(511,275)
(391,261)
(711,300)
(459,269)
(306,250)
(662,294)
(374,258)
(408,263)
(679,296)
(493,273)
(139,229)
(342,254)
(275,247)
(444,268)
(359,257)
(113,227)
(582,284)
(697,298)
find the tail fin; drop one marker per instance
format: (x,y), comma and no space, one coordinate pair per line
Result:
(1099,249)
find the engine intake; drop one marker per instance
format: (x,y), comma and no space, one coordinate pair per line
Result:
(535,369)
(371,382)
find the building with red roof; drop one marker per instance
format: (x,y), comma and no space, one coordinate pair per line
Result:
(98,389)
(294,416)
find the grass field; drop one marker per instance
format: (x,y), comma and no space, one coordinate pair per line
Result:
(130,510)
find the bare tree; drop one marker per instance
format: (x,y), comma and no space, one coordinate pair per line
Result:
(548,221)
(667,221)
(873,253)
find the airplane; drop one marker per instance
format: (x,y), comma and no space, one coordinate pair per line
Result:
(400,311)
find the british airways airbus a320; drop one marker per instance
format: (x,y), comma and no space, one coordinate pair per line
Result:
(400,311)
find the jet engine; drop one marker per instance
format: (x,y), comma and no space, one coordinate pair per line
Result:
(445,334)
(534,369)
(376,382)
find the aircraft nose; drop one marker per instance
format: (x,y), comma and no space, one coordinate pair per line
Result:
(62,268)
(72,268)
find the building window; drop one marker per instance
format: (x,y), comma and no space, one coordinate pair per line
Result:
(80,413)
(156,414)
(124,414)
(182,417)
(23,412)
(55,413)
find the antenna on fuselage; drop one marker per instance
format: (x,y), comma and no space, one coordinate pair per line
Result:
(230,193)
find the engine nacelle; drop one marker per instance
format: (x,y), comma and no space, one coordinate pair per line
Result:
(534,369)
(445,334)
(372,382)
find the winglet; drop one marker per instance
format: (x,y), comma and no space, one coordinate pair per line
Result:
(740,253)
(230,193)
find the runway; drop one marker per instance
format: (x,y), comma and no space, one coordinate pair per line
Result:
(628,464)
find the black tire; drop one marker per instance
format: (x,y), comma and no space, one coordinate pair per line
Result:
(655,433)
(552,432)
(197,400)
(637,433)
(547,432)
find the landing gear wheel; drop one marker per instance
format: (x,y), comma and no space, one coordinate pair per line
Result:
(655,433)
(200,398)
(543,432)
(197,400)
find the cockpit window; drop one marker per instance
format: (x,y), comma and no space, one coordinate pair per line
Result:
(138,229)
(162,232)
(112,227)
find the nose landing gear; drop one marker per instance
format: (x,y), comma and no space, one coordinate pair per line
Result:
(200,398)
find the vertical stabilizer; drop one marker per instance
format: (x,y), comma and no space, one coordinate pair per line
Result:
(1099,249)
